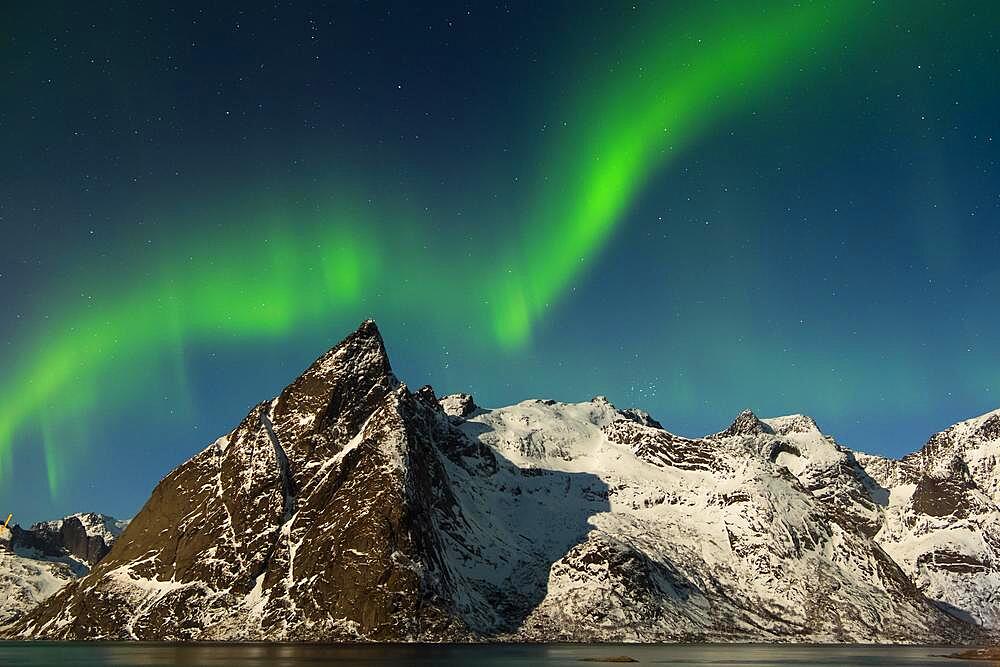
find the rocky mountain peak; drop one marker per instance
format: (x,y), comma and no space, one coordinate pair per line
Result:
(458,405)
(361,352)
(327,405)
(746,423)
(361,355)
(427,396)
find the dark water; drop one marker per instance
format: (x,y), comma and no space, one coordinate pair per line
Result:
(18,654)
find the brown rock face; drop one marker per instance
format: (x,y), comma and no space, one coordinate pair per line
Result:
(309,520)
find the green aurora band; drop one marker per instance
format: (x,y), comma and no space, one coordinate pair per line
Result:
(633,120)
(288,272)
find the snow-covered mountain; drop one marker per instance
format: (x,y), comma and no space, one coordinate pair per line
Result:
(942,521)
(352,508)
(86,537)
(36,563)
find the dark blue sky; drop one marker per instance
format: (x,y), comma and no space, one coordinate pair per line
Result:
(197,202)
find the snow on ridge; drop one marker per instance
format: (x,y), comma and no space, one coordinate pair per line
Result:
(796,423)
(537,429)
(973,427)
(742,509)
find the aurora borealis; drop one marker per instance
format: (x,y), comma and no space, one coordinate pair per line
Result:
(693,208)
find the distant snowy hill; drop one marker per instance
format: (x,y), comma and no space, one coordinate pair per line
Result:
(36,563)
(350,508)
(94,525)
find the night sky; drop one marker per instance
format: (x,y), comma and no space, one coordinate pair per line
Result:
(692,208)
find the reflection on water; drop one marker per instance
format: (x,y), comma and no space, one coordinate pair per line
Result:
(37,654)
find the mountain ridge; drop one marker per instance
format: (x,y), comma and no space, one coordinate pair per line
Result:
(350,508)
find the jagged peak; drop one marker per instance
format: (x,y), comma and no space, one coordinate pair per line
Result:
(336,394)
(427,396)
(746,423)
(361,352)
(362,348)
(458,405)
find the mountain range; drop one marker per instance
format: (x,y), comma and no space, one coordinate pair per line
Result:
(353,508)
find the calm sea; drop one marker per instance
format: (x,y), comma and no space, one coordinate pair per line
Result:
(36,654)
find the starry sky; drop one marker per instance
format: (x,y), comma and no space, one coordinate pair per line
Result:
(690,207)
